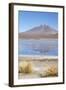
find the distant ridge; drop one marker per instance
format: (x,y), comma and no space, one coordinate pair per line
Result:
(42,31)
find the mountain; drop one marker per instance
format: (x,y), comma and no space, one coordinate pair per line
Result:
(42,31)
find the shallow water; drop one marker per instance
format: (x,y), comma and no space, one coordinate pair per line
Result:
(38,47)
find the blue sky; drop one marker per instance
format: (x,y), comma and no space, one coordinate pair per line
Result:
(30,19)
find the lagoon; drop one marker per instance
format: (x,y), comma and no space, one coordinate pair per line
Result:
(45,47)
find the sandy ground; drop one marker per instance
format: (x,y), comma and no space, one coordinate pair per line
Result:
(41,67)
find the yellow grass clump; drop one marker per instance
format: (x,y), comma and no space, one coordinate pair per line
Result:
(50,71)
(25,67)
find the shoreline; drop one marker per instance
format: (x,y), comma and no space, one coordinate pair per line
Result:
(36,57)
(37,39)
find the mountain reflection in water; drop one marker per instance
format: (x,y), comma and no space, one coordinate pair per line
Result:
(38,47)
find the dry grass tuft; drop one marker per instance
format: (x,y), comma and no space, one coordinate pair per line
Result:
(26,67)
(51,71)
